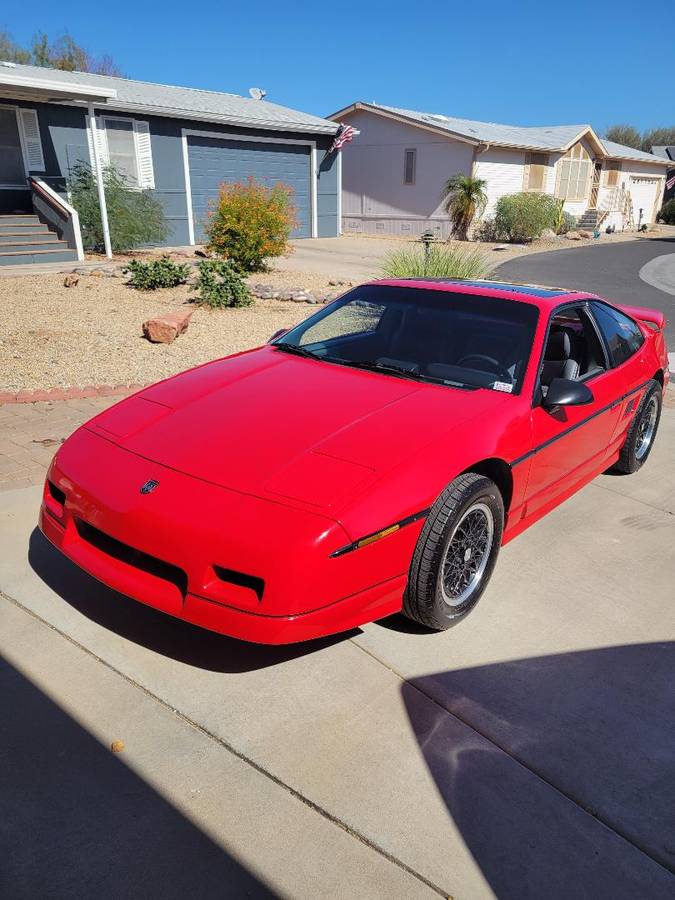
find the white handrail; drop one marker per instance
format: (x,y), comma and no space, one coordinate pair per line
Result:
(68,209)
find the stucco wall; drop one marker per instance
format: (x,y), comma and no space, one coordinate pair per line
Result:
(375,197)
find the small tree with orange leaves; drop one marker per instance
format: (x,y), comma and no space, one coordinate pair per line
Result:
(250,223)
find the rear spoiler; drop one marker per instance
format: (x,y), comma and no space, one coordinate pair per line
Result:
(655,319)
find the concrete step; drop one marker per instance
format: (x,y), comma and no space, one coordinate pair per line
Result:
(37,257)
(16,228)
(18,219)
(37,246)
(28,235)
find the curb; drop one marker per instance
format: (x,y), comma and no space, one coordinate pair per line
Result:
(85,393)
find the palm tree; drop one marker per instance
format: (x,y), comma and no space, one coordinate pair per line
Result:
(464,198)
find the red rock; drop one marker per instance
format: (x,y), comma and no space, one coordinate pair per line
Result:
(165,328)
(71,280)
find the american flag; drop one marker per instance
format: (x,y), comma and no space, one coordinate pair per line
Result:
(670,183)
(344,136)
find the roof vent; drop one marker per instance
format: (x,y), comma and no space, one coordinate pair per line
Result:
(257,93)
(7,64)
(438,116)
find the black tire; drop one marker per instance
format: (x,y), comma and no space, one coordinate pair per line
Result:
(633,454)
(466,501)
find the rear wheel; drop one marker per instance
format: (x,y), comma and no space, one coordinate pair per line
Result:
(642,431)
(455,553)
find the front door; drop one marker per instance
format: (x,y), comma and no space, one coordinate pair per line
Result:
(595,186)
(571,443)
(12,168)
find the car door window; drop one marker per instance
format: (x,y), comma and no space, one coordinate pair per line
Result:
(622,335)
(573,348)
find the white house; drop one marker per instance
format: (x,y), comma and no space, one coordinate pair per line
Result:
(394,170)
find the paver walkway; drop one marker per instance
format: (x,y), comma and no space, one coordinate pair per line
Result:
(31,432)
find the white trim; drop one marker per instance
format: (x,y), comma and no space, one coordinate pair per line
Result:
(313,184)
(66,207)
(104,117)
(188,188)
(226,136)
(45,84)
(339,193)
(99,181)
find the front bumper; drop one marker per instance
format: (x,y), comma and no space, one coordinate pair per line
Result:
(167,548)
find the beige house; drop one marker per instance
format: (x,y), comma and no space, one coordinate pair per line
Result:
(394,170)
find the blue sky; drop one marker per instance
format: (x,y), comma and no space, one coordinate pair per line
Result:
(521,63)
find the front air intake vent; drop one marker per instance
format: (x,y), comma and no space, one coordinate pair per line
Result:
(257,585)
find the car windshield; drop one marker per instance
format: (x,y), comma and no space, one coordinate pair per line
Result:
(460,340)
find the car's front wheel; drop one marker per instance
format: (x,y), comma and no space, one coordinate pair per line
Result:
(455,553)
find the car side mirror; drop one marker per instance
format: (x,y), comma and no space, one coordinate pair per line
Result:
(277,334)
(565,392)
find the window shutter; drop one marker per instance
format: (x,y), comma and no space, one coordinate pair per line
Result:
(31,140)
(102,144)
(146,172)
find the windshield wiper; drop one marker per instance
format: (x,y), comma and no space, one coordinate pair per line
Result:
(297,350)
(386,368)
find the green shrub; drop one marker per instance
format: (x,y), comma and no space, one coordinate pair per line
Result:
(220,284)
(136,218)
(486,230)
(667,214)
(523,217)
(441,262)
(250,223)
(157,273)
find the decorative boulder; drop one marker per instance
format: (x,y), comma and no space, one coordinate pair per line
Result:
(586,235)
(165,328)
(71,280)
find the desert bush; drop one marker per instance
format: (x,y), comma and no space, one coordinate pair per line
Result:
(156,273)
(250,223)
(667,214)
(136,218)
(486,230)
(523,217)
(441,262)
(220,284)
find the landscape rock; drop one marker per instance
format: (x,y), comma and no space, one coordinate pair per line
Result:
(573,236)
(586,235)
(548,234)
(199,251)
(71,280)
(165,328)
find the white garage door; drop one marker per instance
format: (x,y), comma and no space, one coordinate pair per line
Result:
(643,196)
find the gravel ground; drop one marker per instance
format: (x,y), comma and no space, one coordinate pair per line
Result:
(52,336)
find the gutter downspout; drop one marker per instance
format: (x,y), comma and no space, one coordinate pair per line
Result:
(99,182)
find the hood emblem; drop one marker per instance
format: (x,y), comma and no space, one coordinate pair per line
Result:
(149,486)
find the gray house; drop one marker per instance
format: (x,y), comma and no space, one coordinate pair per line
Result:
(668,153)
(181,143)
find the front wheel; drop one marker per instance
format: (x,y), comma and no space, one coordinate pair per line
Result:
(642,431)
(455,553)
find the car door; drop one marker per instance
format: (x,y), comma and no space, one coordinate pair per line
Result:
(570,443)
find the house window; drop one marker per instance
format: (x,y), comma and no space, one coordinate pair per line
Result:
(537,171)
(612,176)
(574,174)
(122,148)
(409,166)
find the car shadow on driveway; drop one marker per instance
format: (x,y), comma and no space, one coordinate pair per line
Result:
(597,726)
(76,821)
(157,631)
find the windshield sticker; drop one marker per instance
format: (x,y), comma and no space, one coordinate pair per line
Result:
(502,386)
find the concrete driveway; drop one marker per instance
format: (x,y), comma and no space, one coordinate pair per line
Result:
(528,752)
(640,272)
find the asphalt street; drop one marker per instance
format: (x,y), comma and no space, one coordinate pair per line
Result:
(612,271)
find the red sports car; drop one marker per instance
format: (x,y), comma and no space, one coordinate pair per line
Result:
(373,458)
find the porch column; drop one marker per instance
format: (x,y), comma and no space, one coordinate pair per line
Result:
(99,182)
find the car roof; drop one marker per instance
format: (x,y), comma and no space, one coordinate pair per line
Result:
(542,296)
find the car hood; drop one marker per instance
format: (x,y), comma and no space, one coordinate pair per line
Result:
(287,428)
